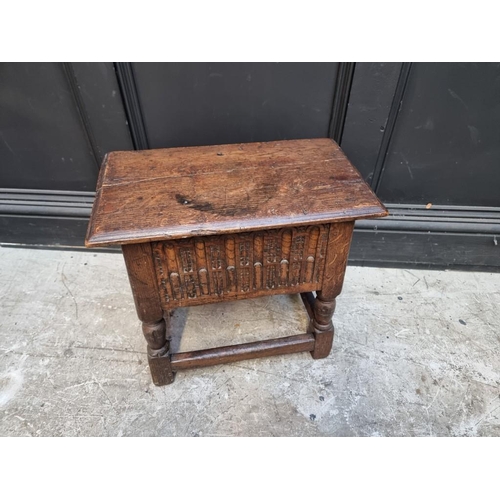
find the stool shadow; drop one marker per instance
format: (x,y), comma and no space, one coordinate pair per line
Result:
(178,324)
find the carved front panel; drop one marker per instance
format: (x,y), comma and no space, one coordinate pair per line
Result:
(199,270)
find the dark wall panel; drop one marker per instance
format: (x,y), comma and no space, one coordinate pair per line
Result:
(190,104)
(370,100)
(103,106)
(424,250)
(43,144)
(419,133)
(445,147)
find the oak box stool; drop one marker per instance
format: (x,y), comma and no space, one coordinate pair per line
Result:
(219,223)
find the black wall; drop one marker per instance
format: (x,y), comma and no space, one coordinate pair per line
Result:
(424,135)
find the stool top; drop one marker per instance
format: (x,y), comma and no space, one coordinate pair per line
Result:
(164,194)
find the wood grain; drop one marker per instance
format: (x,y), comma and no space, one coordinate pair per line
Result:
(337,252)
(183,192)
(142,277)
(322,327)
(198,270)
(339,243)
(229,354)
(160,366)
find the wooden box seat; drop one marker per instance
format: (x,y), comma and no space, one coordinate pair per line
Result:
(217,223)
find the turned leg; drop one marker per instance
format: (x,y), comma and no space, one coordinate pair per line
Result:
(158,351)
(141,273)
(321,325)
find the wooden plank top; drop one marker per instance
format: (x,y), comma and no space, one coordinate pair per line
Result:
(177,193)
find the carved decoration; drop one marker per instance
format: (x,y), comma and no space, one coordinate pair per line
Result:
(197,270)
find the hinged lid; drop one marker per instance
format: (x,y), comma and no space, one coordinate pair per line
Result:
(182,192)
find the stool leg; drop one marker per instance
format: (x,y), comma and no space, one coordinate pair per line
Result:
(141,273)
(322,327)
(339,241)
(158,351)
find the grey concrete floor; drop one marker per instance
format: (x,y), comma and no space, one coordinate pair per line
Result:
(416,353)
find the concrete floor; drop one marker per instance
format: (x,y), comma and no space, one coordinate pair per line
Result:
(416,353)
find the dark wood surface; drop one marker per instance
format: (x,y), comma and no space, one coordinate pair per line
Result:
(339,243)
(142,277)
(179,193)
(141,274)
(206,269)
(228,354)
(210,224)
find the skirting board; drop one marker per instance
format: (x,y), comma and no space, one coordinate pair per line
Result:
(442,237)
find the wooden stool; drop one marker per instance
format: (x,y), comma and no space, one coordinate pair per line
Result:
(217,223)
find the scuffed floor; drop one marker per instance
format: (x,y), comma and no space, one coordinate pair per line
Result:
(416,353)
